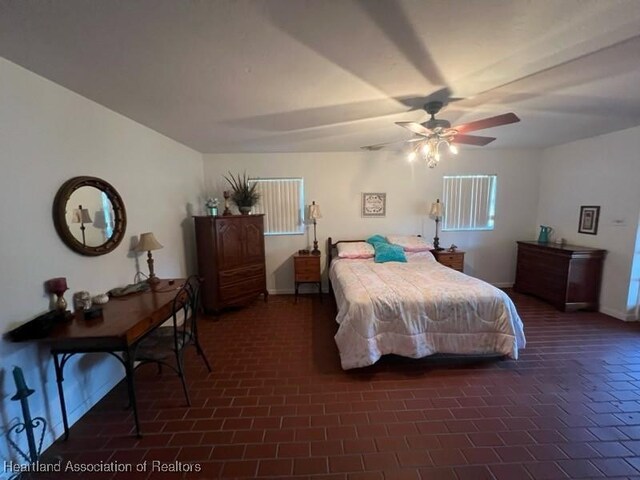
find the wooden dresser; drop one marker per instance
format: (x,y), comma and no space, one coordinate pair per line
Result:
(230,259)
(453,260)
(566,276)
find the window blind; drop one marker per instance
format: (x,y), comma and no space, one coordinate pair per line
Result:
(281,201)
(469,202)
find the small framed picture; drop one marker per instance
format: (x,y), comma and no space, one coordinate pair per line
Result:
(589,216)
(374,204)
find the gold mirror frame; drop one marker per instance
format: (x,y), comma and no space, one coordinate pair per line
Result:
(60,220)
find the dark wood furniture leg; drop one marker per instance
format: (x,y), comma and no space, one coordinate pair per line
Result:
(127,361)
(59,366)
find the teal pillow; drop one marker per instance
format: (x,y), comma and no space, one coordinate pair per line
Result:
(376,239)
(386,252)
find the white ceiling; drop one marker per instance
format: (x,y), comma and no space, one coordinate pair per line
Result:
(333,75)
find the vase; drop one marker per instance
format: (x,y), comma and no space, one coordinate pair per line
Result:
(244,210)
(213,211)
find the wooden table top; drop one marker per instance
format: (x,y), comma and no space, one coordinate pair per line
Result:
(124,320)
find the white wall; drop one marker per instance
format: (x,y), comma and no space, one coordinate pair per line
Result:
(604,171)
(48,135)
(336,181)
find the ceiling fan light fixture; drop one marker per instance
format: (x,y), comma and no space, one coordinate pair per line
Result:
(431,149)
(430,136)
(432,161)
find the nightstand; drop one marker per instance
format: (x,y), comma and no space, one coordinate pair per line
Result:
(306,269)
(453,260)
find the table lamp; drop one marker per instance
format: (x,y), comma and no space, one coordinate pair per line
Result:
(58,286)
(148,243)
(314,214)
(81,216)
(436,213)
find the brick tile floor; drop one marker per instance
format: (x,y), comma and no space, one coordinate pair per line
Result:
(278,405)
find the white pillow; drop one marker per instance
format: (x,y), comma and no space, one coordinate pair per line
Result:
(410,243)
(355,250)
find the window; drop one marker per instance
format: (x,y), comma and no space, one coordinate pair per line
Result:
(469,202)
(282,203)
(106,208)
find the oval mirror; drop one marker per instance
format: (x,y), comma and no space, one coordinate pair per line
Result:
(89,215)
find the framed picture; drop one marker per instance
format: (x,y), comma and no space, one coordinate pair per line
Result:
(374,204)
(589,216)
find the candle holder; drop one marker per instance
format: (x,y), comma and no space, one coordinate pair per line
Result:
(58,286)
(28,425)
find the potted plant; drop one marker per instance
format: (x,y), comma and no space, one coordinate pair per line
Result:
(243,195)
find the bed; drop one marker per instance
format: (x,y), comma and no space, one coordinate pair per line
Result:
(417,309)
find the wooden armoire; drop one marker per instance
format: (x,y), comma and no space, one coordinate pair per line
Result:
(230,259)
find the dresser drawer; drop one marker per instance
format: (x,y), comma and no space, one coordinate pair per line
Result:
(247,288)
(308,276)
(453,260)
(228,277)
(307,268)
(307,263)
(453,263)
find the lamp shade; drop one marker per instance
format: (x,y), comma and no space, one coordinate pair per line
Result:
(57,285)
(314,211)
(436,209)
(80,215)
(147,243)
(99,219)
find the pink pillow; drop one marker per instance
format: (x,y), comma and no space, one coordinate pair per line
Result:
(410,243)
(355,250)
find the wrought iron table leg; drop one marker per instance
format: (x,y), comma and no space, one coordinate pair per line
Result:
(128,367)
(59,379)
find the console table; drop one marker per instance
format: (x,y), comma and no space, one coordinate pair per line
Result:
(567,276)
(124,322)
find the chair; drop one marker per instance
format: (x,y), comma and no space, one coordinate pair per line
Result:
(166,344)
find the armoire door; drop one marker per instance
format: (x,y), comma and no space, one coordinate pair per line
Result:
(253,239)
(229,236)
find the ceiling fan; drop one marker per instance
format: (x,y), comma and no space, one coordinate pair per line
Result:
(436,133)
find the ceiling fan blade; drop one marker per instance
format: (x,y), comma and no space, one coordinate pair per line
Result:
(415,128)
(374,148)
(472,140)
(380,146)
(490,122)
